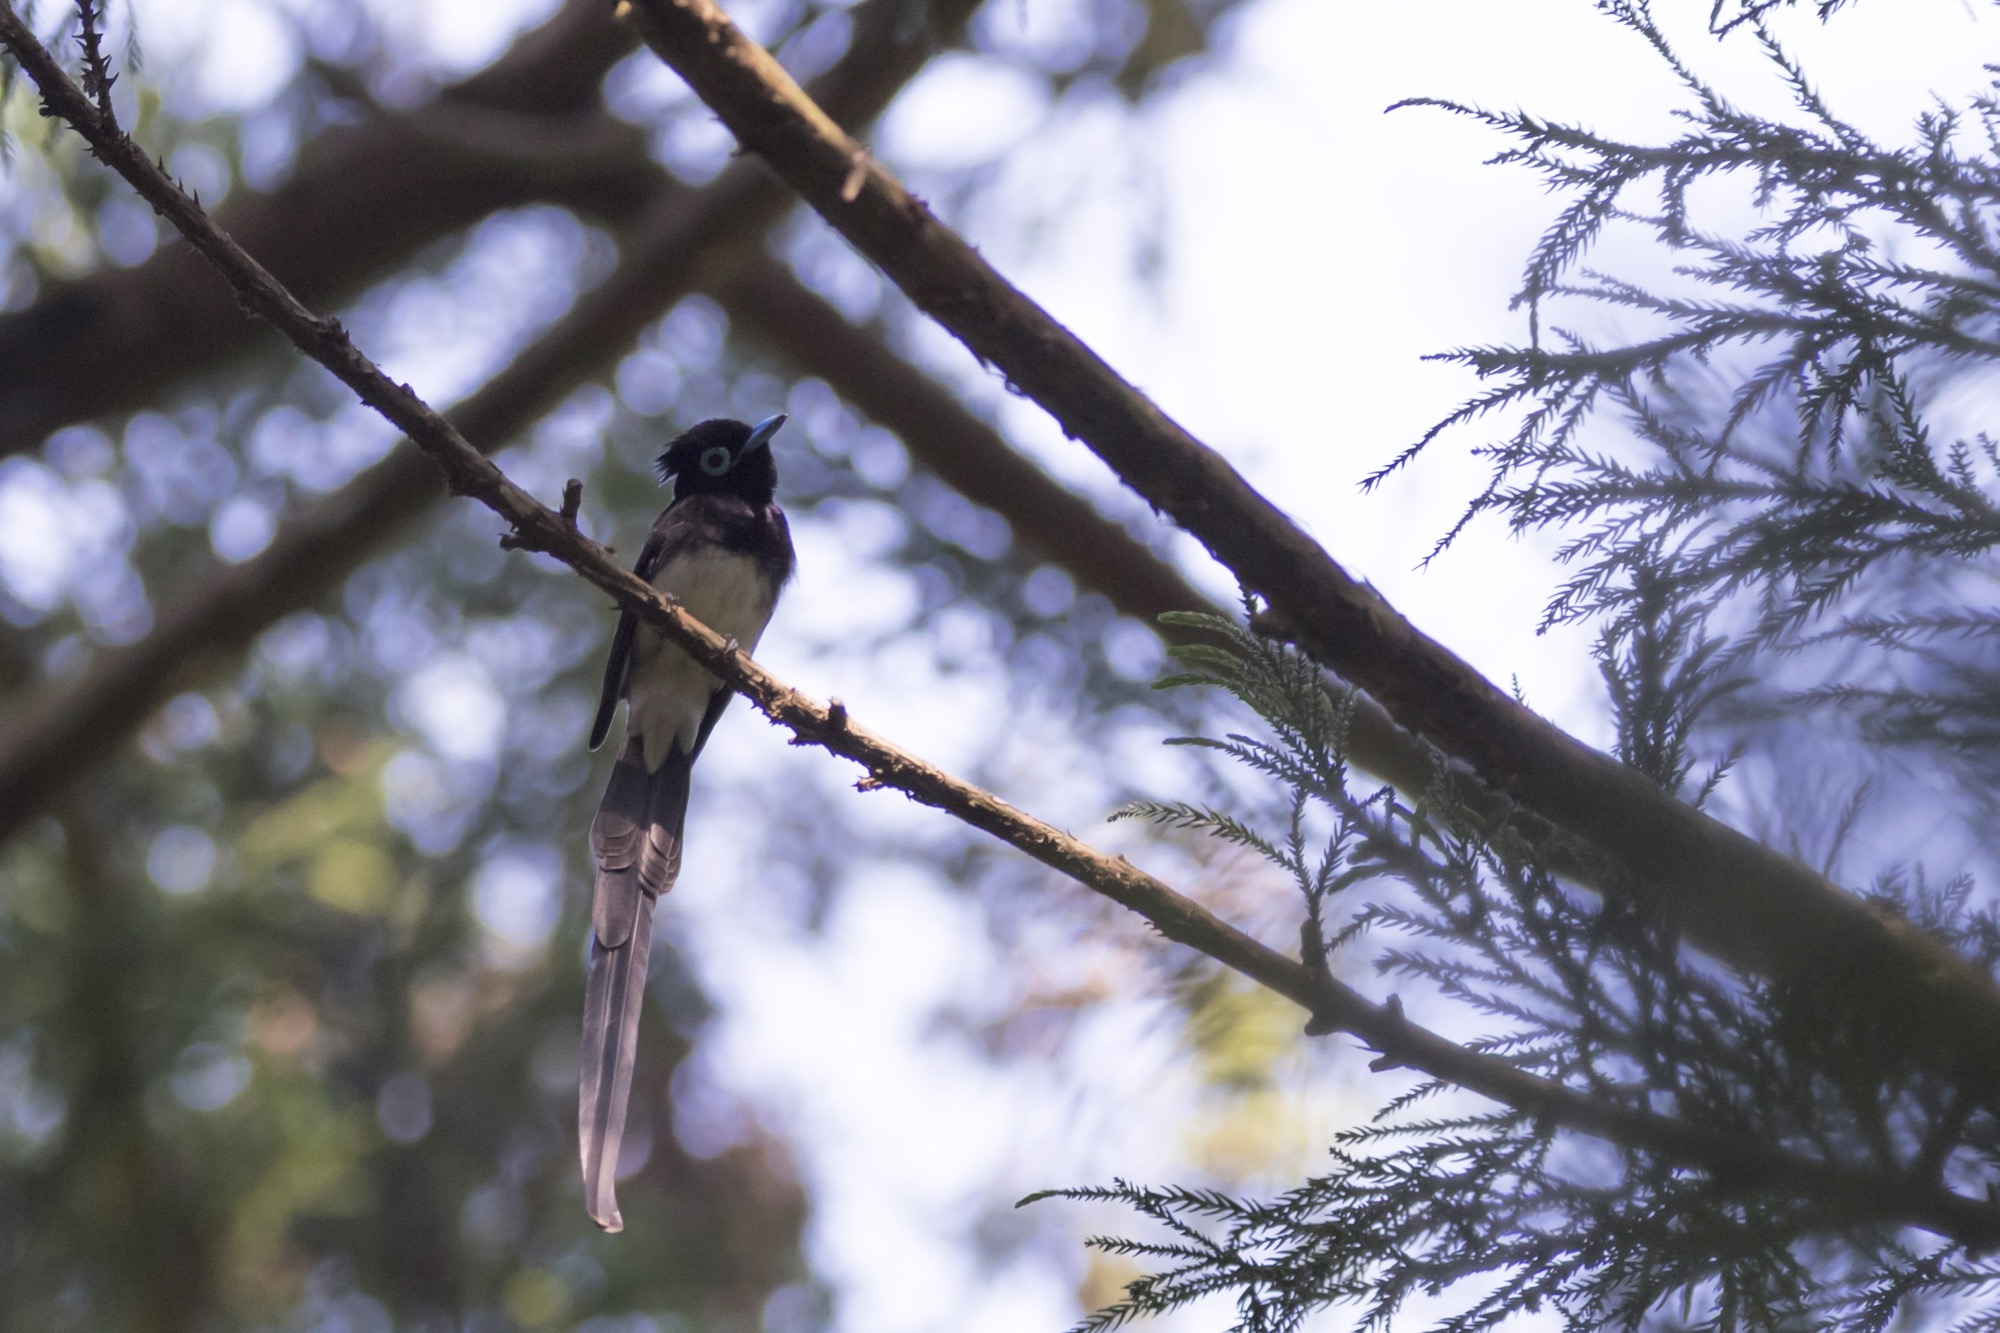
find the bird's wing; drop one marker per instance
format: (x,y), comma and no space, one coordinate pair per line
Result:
(620,662)
(636,840)
(716,703)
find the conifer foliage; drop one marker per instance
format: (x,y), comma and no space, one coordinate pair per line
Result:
(1775,517)
(1584,991)
(1795,487)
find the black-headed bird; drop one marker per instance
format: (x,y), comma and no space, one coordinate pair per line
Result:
(722,549)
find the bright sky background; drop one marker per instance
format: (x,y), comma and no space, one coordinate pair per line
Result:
(1316,249)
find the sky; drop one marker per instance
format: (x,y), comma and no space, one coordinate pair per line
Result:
(1314,248)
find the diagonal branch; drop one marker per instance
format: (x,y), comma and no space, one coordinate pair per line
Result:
(363,200)
(1745,902)
(773,307)
(520,130)
(1847,1194)
(71,726)
(683,236)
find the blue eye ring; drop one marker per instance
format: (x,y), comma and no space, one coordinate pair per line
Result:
(715,460)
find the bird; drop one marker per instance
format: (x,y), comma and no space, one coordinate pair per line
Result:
(722,549)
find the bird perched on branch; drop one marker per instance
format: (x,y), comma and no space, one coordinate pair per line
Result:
(722,549)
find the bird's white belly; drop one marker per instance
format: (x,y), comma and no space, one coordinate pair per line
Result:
(667,692)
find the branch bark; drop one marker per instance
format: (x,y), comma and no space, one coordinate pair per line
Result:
(1846,1193)
(1739,900)
(361,202)
(72,726)
(774,308)
(683,235)
(520,130)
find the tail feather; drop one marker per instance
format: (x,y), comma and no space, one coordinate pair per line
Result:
(636,839)
(611,1008)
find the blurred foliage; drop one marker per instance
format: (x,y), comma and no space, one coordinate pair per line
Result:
(288,994)
(1255,1124)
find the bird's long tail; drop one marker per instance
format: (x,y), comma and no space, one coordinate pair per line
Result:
(636,839)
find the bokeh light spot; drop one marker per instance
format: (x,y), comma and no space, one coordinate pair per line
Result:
(181,859)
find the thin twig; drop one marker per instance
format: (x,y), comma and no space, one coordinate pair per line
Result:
(1735,1162)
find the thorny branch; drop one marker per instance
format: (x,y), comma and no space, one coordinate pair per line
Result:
(1734,1161)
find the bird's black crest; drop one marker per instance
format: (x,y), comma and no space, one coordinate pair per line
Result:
(680,455)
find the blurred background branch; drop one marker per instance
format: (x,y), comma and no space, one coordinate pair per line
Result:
(55,739)
(311,740)
(323,1032)
(1746,903)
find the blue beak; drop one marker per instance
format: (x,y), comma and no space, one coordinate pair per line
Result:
(761,433)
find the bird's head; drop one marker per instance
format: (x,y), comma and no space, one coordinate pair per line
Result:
(722,455)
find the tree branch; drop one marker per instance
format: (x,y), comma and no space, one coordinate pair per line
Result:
(1846,1193)
(682,235)
(1742,901)
(774,308)
(361,202)
(72,726)
(517,131)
